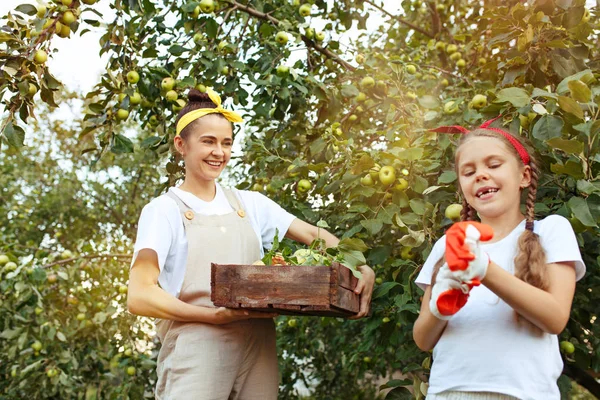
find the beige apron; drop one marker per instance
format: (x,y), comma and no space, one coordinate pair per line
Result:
(236,361)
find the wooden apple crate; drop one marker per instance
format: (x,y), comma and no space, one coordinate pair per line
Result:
(286,289)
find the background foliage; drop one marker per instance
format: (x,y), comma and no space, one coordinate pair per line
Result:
(333,104)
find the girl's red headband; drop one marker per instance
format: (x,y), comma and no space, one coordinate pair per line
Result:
(523,154)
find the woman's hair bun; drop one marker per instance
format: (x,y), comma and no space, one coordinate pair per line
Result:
(196,96)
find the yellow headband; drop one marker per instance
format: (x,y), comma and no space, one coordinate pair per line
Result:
(190,117)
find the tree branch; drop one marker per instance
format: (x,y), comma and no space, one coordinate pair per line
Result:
(276,22)
(402,21)
(91,256)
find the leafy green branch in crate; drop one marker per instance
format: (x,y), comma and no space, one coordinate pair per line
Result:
(348,252)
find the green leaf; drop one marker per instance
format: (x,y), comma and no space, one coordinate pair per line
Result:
(418,206)
(211,28)
(384,289)
(580,209)
(447,177)
(372,225)
(322,224)
(61,336)
(570,168)
(568,146)
(412,154)
(580,91)
(177,50)
(121,144)
(352,244)
(349,91)
(26,9)
(14,134)
(548,127)
(413,238)
(585,76)
(570,106)
(429,102)
(10,333)
(516,96)
(399,393)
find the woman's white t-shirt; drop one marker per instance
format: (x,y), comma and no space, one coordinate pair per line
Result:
(160,228)
(483,347)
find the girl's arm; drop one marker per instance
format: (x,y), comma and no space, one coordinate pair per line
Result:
(306,233)
(146,298)
(427,329)
(548,310)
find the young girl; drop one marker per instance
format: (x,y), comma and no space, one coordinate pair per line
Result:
(497,340)
(208,352)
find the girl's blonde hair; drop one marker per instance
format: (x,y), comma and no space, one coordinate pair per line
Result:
(530,261)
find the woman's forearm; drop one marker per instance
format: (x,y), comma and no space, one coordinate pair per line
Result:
(539,307)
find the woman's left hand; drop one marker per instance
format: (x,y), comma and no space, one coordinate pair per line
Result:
(365,289)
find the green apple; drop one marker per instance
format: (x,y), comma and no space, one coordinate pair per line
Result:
(10,266)
(352,118)
(374,171)
(444,82)
(455,56)
(359,110)
(367,82)
(360,97)
(406,253)
(68,18)
(32,89)
(367,180)
(411,95)
(225,70)
(309,33)
(304,185)
(293,171)
(567,347)
(451,48)
(360,58)
(405,172)
(67,2)
(440,8)
(257,187)
(37,345)
(461,63)
(387,175)
(65,31)
(52,278)
(479,101)
(292,323)
(379,281)
(201,88)
(122,289)
(38,310)
(453,211)
(80,316)
(207,6)
(283,70)
(167,83)
(450,107)
(440,46)
(482,61)
(128,352)
(40,57)
(171,95)
(401,184)
(179,104)
(135,99)
(131,369)
(153,120)
(304,10)
(66,254)
(72,300)
(89,2)
(411,69)
(41,10)
(319,36)
(52,372)
(133,77)
(122,114)
(4,259)
(281,38)
(385,320)
(367,359)
(198,38)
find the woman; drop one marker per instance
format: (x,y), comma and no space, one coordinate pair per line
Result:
(208,352)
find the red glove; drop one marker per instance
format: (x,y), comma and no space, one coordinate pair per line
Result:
(463,253)
(448,295)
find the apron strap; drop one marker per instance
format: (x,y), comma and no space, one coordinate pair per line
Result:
(180,203)
(233,199)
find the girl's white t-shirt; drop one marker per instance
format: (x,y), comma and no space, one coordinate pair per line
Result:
(160,228)
(484,348)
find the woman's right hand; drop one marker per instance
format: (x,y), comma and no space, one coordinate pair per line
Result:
(225,315)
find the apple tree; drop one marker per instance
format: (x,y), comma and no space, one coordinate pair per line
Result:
(339,99)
